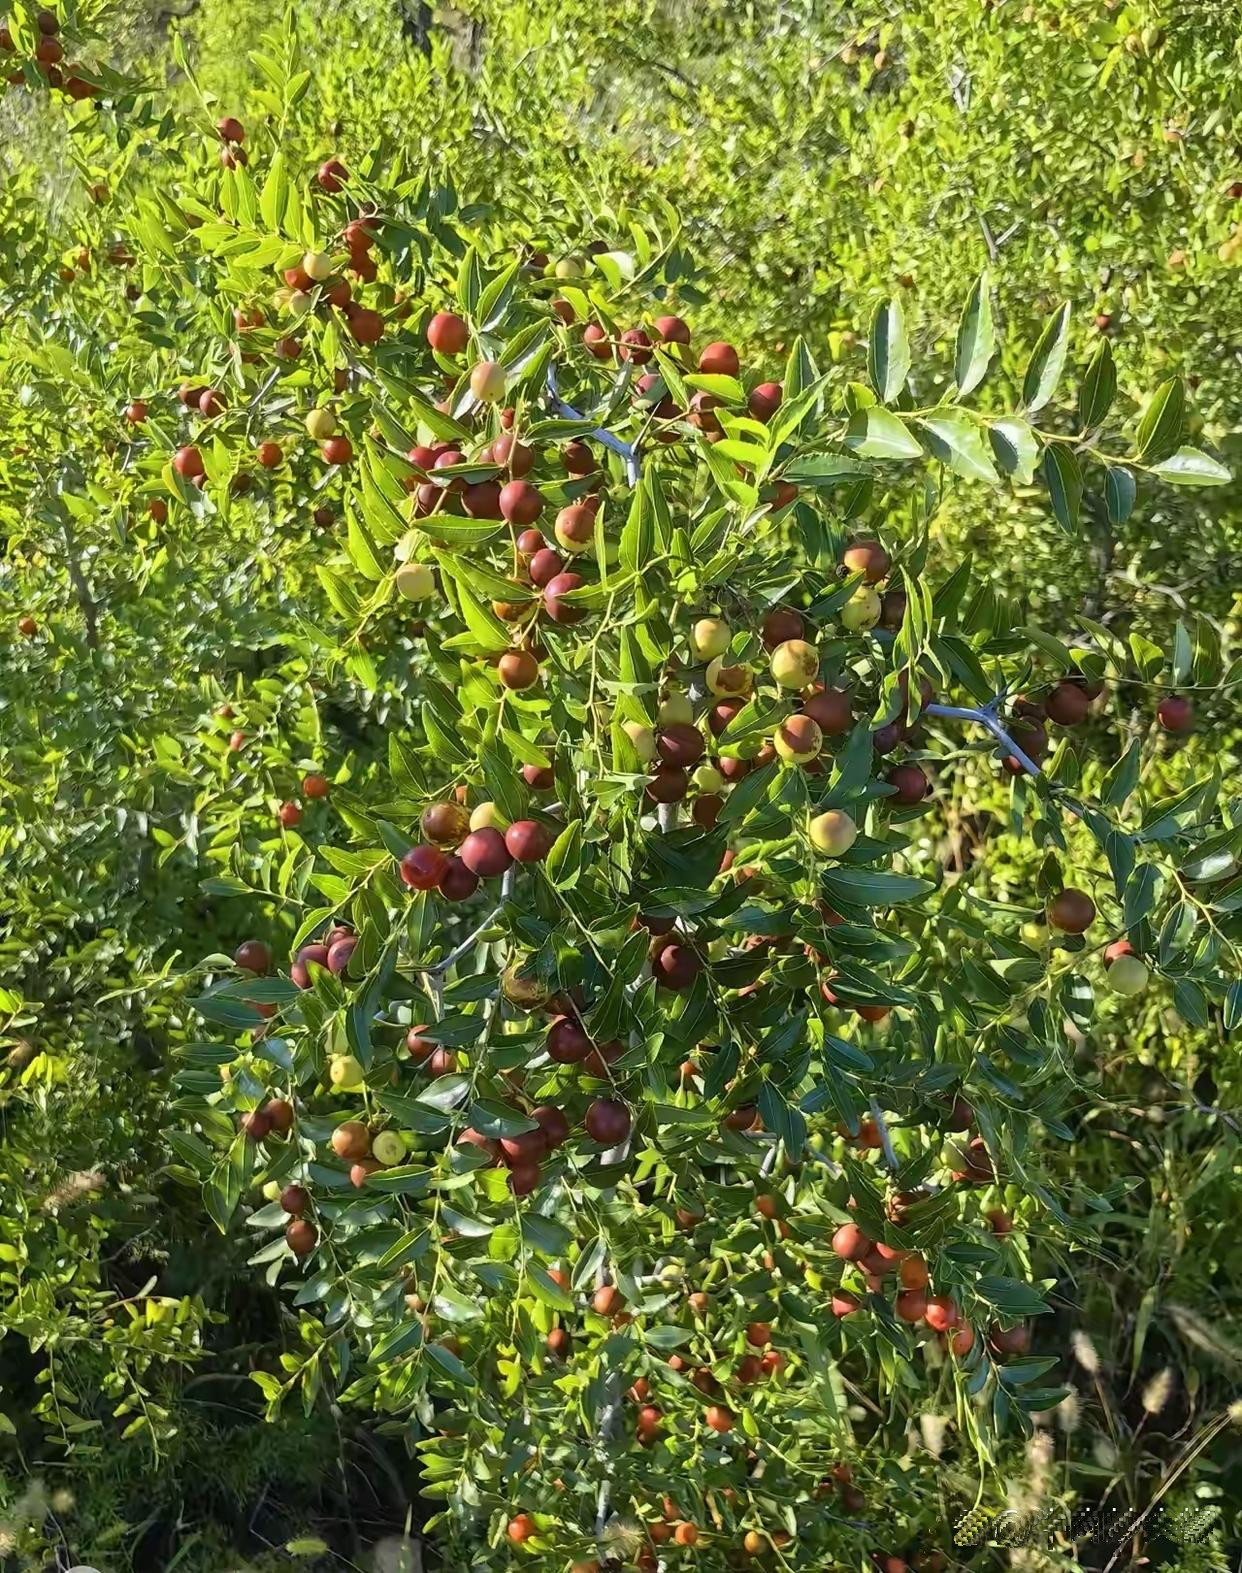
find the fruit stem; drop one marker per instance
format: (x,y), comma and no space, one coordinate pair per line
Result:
(985,718)
(627,453)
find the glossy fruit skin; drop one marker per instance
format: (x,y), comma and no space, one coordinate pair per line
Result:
(1072,911)
(552,1123)
(301,1237)
(447,333)
(941,1314)
(315,786)
(607,1121)
(910,783)
(252,955)
(309,955)
(912,1273)
(269,455)
(867,558)
(635,346)
(911,1305)
(679,744)
(351,1140)
(833,832)
(575,527)
(1067,705)
(607,1301)
(539,778)
(765,400)
(578,458)
(830,710)
(188,462)
(795,663)
(719,1418)
(230,129)
(719,360)
(423,867)
(518,669)
(1127,976)
(676,966)
(331,175)
(1010,1340)
(444,824)
(520,502)
(850,1243)
(527,841)
(1175,714)
(337,450)
(672,330)
(340,952)
(484,853)
(560,611)
(295,1199)
(799,740)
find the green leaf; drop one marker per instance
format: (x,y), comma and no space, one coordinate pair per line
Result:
(976,338)
(1099,385)
(563,864)
(275,194)
(1012,1296)
(957,441)
(888,351)
(866,887)
(1161,425)
(547,1289)
(1063,478)
(877,434)
(1120,491)
(1233,1006)
(1192,467)
(449,1364)
(1016,448)
(822,469)
(1047,361)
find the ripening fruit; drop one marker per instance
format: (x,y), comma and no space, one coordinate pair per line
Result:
(388,1149)
(1010,1340)
(765,400)
(521,1528)
(295,1199)
(1072,911)
(268,455)
(830,710)
(320,424)
(332,175)
(230,129)
(719,1418)
(415,581)
(1067,704)
(280,1115)
(833,832)
(962,1341)
(527,841)
(444,824)
(252,955)
(867,558)
(607,1300)
(188,462)
(346,1074)
(729,681)
(862,610)
(315,785)
(351,1140)
(643,739)
(719,360)
(289,814)
(850,1243)
(709,638)
(941,1314)
(447,333)
(798,740)
(1175,713)
(487,382)
(1127,975)
(910,785)
(669,784)
(301,1237)
(675,708)
(607,1121)
(484,853)
(520,502)
(707,779)
(518,669)
(911,1305)
(575,528)
(795,664)
(675,966)
(844,1303)
(672,330)
(423,868)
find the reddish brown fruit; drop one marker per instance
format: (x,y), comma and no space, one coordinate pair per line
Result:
(332,175)
(447,333)
(518,669)
(316,786)
(844,1303)
(521,1528)
(578,458)
(941,1314)
(527,841)
(295,1199)
(867,558)
(911,1305)
(252,955)
(484,853)
(781,625)
(910,785)
(423,867)
(672,330)
(301,1237)
(759,1334)
(830,710)
(607,1301)
(764,401)
(607,1121)
(567,1042)
(1010,1340)
(269,455)
(289,814)
(719,360)
(1067,705)
(557,609)
(1072,911)
(351,1141)
(850,1243)
(188,462)
(676,966)
(1175,714)
(719,1418)
(520,502)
